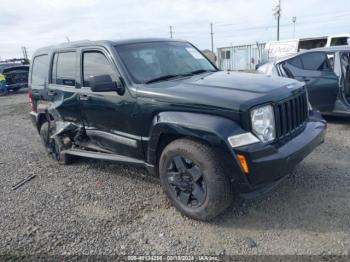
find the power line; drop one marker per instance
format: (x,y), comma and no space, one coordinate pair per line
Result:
(231,27)
(266,27)
(338,14)
(346,13)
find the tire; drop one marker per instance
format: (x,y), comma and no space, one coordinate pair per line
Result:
(53,146)
(203,170)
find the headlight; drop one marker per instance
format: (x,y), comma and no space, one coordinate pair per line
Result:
(263,123)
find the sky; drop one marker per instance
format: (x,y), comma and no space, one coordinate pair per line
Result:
(37,23)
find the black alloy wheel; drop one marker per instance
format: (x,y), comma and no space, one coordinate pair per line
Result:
(187,182)
(194,178)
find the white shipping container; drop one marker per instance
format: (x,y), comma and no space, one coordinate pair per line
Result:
(243,57)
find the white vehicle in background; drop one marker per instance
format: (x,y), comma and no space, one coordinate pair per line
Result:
(325,72)
(278,49)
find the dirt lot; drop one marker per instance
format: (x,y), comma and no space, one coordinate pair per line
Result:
(96,207)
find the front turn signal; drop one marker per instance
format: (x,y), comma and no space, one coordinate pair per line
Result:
(243,162)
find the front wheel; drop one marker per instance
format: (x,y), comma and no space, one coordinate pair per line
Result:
(193,178)
(53,146)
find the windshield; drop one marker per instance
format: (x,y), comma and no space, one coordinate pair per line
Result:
(149,62)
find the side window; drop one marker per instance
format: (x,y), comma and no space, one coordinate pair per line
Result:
(315,61)
(291,67)
(95,63)
(296,62)
(40,69)
(64,69)
(339,41)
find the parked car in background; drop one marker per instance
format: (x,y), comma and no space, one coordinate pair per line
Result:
(279,49)
(325,72)
(16,73)
(161,104)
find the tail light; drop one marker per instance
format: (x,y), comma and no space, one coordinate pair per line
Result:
(31,102)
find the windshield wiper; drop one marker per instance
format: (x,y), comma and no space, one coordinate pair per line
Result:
(199,71)
(161,78)
(166,77)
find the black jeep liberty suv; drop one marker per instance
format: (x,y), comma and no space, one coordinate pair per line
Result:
(210,135)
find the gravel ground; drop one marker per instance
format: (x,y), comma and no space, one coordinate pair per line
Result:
(97,207)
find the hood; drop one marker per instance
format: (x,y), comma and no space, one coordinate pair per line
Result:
(225,90)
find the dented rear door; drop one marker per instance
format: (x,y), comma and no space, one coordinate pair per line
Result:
(63,87)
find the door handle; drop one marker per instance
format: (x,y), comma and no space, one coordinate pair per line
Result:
(84,97)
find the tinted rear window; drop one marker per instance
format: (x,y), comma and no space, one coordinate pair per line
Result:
(40,70)
(64,68)
(296,62)
(315,61)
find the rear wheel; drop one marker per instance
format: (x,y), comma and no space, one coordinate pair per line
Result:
(53,146)
(194,180)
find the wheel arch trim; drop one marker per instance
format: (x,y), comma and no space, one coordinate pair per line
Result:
(212,129)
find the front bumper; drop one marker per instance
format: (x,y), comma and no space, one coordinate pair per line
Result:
(269,164)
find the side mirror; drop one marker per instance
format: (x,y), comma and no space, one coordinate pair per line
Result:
(104,83)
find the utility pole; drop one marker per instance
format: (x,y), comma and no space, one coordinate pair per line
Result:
(68,40)
(294,19)
(25,52)
(277,13)
(171,31)
(212,37)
